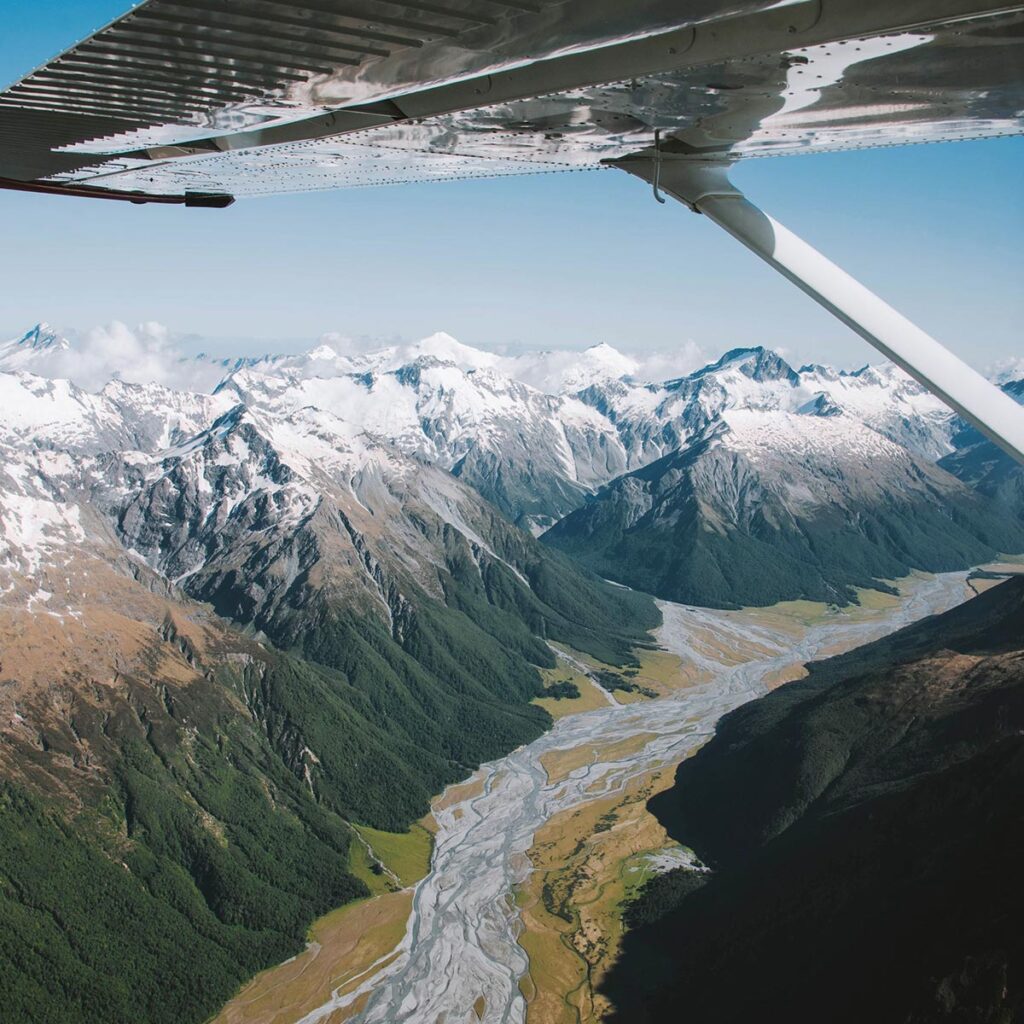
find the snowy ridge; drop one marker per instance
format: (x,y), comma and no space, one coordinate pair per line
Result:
(38,528)
(513,441)
(359,445)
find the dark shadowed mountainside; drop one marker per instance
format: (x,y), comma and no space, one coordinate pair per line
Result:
(774,507)
(985,467)
(865,828)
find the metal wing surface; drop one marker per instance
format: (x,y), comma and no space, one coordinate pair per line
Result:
(208,99)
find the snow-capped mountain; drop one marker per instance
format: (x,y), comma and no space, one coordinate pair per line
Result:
(535,455)
(553,372)
(196,482)
(150,353)
(657,418)
(161,553)
(768,505)
(43,413)
(266,511)
(538,454)
(31,349)
(246,603)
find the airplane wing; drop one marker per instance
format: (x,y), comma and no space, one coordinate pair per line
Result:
(203,100)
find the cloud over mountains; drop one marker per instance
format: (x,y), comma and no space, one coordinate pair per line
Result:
(151,353)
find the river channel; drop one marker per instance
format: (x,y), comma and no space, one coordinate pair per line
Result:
(460,955)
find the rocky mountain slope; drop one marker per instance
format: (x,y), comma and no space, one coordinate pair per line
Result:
(367,629)
(666,486)
(865,832)
(767,506)
(305,531)
(744,482)
(538,454)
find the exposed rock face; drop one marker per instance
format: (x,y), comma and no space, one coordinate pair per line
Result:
(865,831)
(532,454)
(296,527)
(538,455)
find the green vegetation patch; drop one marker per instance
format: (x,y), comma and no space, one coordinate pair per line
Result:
(364,866)
(612,681)
(215,879)
(661,894)
(406,854)
(222,824)
(563,689)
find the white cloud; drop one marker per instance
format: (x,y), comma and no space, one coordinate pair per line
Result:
(150,352)
(141,355)
(1005,370)
(551,370)
(668,364)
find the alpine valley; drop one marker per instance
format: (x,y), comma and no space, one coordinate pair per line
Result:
(249,617)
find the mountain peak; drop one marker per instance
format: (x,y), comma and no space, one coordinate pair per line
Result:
(32,351)
(322,352)
(757,363)
(42,336)
(446,349)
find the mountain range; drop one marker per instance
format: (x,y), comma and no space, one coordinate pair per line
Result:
(224,636)
(837,479)
(296,592)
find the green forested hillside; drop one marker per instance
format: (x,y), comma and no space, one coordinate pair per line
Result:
(163,842)
(202,860)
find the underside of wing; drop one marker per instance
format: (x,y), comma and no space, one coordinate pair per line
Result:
(216,98)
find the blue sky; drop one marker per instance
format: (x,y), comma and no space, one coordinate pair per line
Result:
(550,261)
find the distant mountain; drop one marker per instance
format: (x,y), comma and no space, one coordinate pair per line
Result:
(539,455)
(865,834)
(534,455)
(664,416)
(31,348)
(624,467)
(780,498)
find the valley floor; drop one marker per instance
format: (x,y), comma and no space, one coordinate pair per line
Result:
(519,914)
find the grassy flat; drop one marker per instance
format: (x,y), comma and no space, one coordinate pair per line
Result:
(362,866)
(664,672)
(588,861)
(559,764)
(407,854)
(590,697)
(342,945)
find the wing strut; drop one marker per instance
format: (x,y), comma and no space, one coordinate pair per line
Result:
(705,188)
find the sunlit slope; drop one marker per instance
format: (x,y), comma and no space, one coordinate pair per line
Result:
(223,639)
